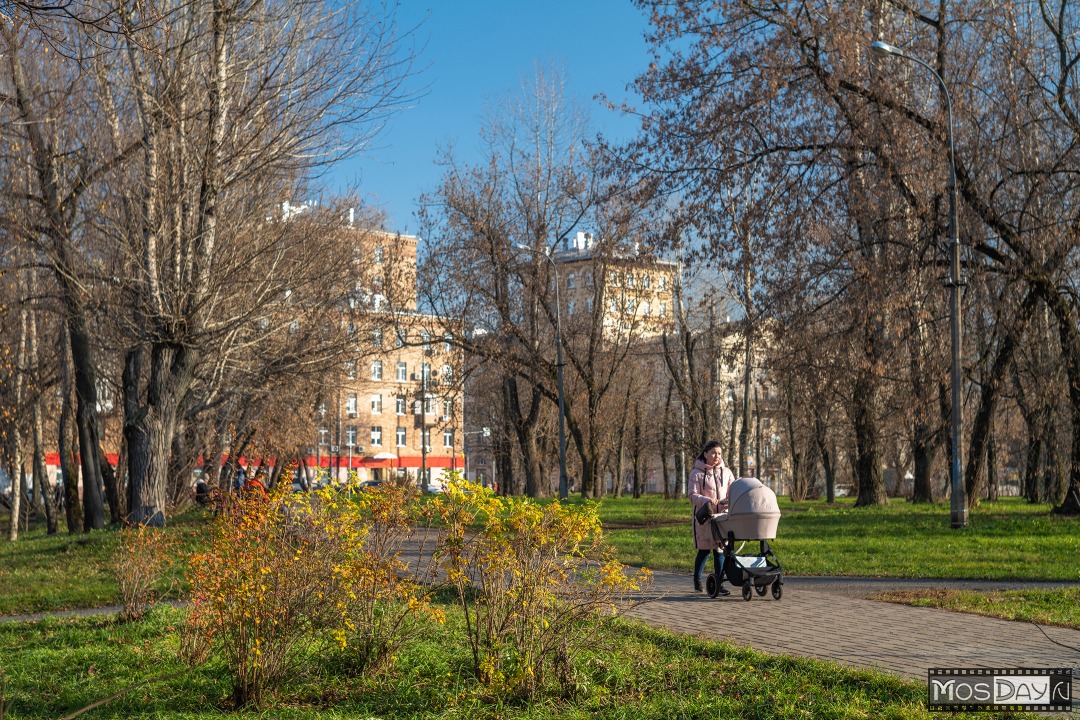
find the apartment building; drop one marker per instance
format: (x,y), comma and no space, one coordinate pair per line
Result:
(635,290)
(397,411)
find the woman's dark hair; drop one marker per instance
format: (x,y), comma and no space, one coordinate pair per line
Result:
(708,446)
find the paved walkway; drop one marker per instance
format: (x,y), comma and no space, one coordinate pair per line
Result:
(831,619)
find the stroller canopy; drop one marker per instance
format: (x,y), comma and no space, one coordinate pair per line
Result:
(752,514)
(747,496)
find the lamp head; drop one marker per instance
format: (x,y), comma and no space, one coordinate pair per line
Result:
(879,47)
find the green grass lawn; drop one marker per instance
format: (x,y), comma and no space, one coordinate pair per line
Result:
(1009,539)
(1046,607)
(55,667)
(41,572)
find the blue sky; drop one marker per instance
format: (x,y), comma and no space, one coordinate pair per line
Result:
(475,52)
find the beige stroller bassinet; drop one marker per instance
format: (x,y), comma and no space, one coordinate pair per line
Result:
(752,514)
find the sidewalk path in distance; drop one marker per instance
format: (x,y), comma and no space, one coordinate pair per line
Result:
(843,626)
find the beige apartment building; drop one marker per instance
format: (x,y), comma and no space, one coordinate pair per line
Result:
(397,411)
(636,290)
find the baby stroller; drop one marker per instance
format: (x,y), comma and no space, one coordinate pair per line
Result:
(752,514)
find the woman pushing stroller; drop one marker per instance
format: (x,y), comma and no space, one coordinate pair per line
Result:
(709,482)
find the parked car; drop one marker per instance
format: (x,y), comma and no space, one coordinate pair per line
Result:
(371,484)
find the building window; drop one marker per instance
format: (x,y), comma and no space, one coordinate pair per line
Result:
(376,337)
(324,436)
(646,308)
(425,372)
(350,405)
(447,346)
(294,327)
(380,255)
(629,280)
(588,279)
(425,437)
(350,436)
(447,375)
(401,437)
(663,309)
(588,304)
(570,307)
(321,409)
(376,404)
(350,369)
(402,372)
(448,437)
(646,281)
(376,435)
(447,407)
(377,285)
(376,369)
(570,281)
(350,330)
(399,339)
(425,339)
(431,405)
(663,282)
(417,407)
(401,404)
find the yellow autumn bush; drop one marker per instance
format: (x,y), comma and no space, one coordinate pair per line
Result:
(281,572)
(533,581)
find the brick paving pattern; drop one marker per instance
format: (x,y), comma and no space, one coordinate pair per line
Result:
(810,621)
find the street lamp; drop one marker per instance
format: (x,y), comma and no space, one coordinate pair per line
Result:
(564,489)
(958,503)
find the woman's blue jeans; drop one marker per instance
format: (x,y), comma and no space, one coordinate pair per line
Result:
(699,563)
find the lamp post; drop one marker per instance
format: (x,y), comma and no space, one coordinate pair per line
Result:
(424,372)
(958,502)
(564,487)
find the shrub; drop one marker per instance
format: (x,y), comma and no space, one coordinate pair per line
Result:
(282,571)
(144,553)
(260,587)
(533,581)
(387,602)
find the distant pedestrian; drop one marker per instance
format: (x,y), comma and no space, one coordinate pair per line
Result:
(709,482)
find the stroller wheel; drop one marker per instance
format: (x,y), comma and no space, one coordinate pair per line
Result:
(747,593)
(761,589)
(777,590)
(712,585)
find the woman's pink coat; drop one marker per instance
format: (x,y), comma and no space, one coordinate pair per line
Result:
(707,484)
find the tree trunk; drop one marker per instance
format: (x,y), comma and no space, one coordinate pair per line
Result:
(41,473)
(821,438)
(991,464)
(923,490)
(744,429)
(18,474)
(66,445)
(733,429)
(988,401)
(1070,348)
(871,484)
(669,491)
(42,487)
(86,425)
(171,372)
(18,478)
